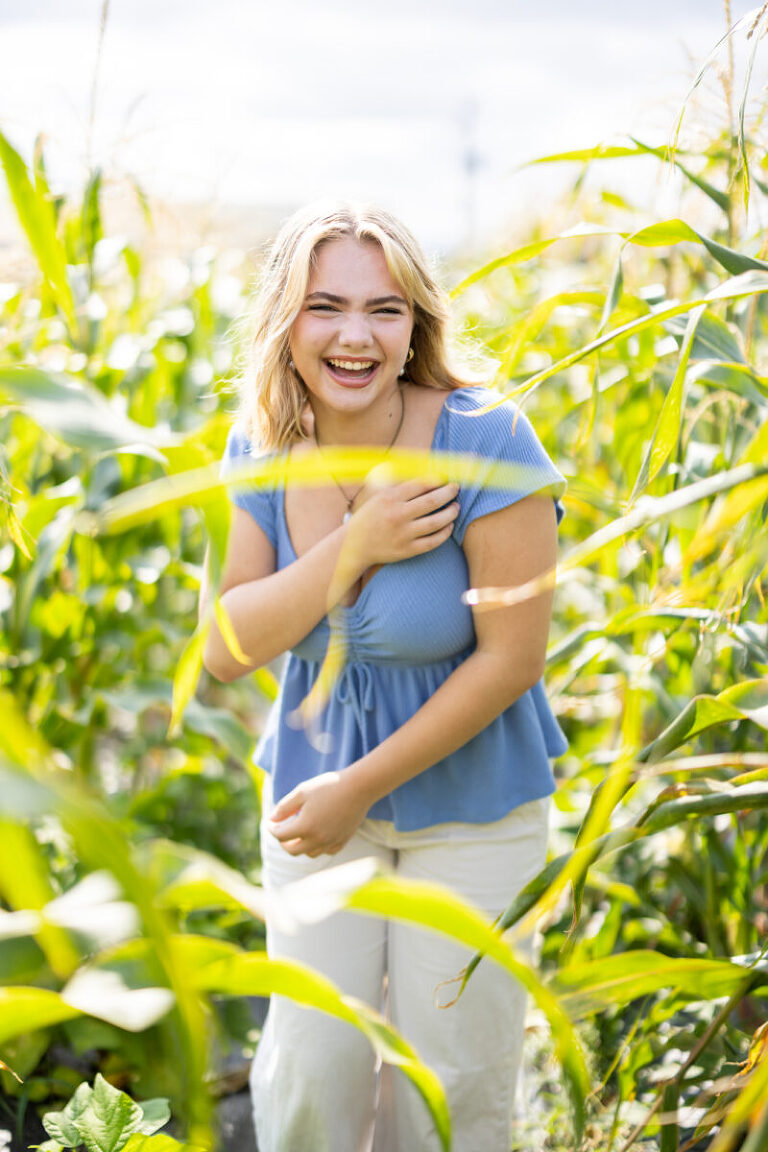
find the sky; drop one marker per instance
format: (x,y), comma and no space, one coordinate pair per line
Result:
(429,107)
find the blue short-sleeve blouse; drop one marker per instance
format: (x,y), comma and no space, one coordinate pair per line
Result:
(406,633)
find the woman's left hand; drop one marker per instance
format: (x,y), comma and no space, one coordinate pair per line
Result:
(319,816)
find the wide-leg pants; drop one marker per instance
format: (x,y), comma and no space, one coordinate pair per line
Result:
(314,1082)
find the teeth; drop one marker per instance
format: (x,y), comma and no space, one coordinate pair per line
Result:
(353,365)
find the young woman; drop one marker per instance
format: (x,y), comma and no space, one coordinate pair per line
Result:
(432,752)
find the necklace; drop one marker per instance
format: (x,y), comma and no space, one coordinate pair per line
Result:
(350,500)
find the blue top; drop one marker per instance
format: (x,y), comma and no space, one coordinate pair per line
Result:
(405,634)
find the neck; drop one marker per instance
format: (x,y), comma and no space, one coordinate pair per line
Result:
(377,429)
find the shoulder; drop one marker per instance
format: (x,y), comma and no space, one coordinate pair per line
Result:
(240,449)
(482,421)
(255,493)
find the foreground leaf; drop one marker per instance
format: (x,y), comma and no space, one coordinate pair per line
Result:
(255,974)
(26,1009)
(77,413)
(437,908)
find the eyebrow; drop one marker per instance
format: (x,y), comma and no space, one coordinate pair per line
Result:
(369,303)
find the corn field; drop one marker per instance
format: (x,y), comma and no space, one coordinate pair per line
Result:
(131,914)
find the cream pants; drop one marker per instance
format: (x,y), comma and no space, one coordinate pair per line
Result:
(314,1082)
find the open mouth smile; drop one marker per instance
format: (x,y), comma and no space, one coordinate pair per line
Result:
(351,371)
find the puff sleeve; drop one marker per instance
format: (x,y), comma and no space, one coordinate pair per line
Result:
(259,502)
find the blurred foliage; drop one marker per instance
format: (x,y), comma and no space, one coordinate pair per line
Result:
(129,867)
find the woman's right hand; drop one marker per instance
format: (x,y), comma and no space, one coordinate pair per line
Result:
(393,522)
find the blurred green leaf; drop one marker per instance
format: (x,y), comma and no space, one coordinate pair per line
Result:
(91,215)
(37,218)
(76,413)
(188,671)
(438,909)
(26,1009)
(256,975)
(25,885)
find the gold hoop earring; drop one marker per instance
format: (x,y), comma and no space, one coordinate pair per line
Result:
(408,359)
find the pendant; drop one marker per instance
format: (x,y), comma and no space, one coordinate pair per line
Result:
(347,516)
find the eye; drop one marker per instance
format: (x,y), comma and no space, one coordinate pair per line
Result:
(321,308)
(390,311)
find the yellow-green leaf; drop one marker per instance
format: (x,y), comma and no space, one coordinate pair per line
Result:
(187,674)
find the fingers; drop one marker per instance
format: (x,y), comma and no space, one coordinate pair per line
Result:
(287,830)
(301,846)
(437,521)
(431,491)
(288,806)
(424,544)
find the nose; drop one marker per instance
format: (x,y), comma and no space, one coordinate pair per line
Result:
(355,331)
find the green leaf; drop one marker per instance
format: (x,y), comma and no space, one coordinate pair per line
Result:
(743,157)
(155,1114)
(62,1126)
(221,725)
(77,413)
(108,1118)
(737,378)
(255,974)
(25,1009)
(100,841)
(745,284)
(37,218)
(584,155)
(613,295)
(615,981)
(705,712)
(666,435)
(228,632)
(744,499)
(437,908)
(199,485)
(650,510)
(733,262)
(266,682)
(25,885)
(91,215)
(527,252)
(196,879)
(606,152)
(714,339)
(657,818)
(659,235)
(670,1132)
(163,1143)
(187,674)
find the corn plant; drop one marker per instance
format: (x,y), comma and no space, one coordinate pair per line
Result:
(639,347)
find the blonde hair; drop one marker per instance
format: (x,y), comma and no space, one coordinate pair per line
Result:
(272,395)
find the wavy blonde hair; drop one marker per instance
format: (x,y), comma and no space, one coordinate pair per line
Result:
(272,395)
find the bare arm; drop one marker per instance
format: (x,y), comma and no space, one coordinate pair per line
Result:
(508,547)
(271,610)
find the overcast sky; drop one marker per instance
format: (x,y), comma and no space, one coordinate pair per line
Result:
(271,104)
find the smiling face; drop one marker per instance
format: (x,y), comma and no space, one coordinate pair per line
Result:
(351,337)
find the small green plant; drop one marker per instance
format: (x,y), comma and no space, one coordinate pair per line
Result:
(104,1119)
